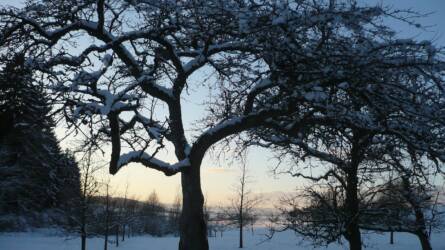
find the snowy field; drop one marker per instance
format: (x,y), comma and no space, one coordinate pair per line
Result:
(45,240)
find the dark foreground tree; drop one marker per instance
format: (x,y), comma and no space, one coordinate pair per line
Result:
(142,53)
(36,174)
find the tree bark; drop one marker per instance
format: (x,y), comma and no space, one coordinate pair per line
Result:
(424,240)
(355,241)
(193,229)
(352,206)
(352,186)
(422,233)
(84,241)
(123,232)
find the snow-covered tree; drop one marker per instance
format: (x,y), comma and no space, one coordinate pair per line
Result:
(140,53)
(37,174)
(278,66)
(406,199)
(354,87)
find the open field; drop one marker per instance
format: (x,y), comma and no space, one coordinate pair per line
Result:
(48,240)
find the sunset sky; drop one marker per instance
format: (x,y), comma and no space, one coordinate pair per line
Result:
(219,177)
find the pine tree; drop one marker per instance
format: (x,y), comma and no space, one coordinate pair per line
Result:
(36,174)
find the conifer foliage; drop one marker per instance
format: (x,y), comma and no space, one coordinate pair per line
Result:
(36,173)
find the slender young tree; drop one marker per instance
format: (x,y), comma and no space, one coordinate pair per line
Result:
(243,205)
(89,189)
(107,215)
(124,212)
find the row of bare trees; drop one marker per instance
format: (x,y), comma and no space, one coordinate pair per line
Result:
(319,213)
(101,212)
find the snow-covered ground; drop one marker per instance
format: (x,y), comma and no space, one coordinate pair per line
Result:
(48,240)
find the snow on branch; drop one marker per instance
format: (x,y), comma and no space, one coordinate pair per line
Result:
(151,162)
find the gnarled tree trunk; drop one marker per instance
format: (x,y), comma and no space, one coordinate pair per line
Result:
(193,229)
(421,232)
(424,240)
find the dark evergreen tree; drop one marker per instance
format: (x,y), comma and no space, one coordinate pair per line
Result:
(36,174)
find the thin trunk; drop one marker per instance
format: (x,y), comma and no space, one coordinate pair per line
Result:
(106,239)
(123,232)
(391,238)
(107,220)
(83,233)
(83,221)
(241,219)
(241,232)
(117,235)
(241,205)
(193,229)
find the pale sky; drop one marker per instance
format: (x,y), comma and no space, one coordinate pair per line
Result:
(218,178)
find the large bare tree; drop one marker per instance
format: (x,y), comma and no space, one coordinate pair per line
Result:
(121,70)
(356,87)
(115,64)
